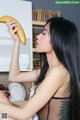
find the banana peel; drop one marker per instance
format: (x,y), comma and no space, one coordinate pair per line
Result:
(20,32)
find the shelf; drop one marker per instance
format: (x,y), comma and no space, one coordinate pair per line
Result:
(38,24)
(36,61)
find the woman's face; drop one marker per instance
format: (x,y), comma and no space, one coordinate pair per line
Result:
(43,41)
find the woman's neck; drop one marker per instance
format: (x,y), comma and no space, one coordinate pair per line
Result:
(52,60)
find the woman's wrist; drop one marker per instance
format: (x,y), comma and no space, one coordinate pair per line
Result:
(17,42)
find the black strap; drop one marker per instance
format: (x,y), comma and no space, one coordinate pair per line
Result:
(48,109)
(61,97)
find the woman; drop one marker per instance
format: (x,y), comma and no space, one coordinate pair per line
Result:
(57,89)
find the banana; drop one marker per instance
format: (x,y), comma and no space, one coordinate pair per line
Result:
(20,32)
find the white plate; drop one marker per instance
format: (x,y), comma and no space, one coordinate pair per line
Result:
(17,92)
(11,85)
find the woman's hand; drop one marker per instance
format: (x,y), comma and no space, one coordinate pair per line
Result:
(13,28)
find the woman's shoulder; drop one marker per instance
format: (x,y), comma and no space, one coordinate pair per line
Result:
(59,70)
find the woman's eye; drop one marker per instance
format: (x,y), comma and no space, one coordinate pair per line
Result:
(43,33)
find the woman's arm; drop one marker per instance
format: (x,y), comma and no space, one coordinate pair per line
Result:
(25,76)
(14,71)
(45,91)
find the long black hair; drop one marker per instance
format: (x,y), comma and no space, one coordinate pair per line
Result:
(65,42)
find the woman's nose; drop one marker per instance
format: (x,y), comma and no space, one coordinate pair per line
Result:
(38,36)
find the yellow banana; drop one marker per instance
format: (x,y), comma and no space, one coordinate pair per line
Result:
(20,32)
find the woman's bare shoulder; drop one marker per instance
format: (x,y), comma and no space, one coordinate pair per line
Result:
(59,70)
